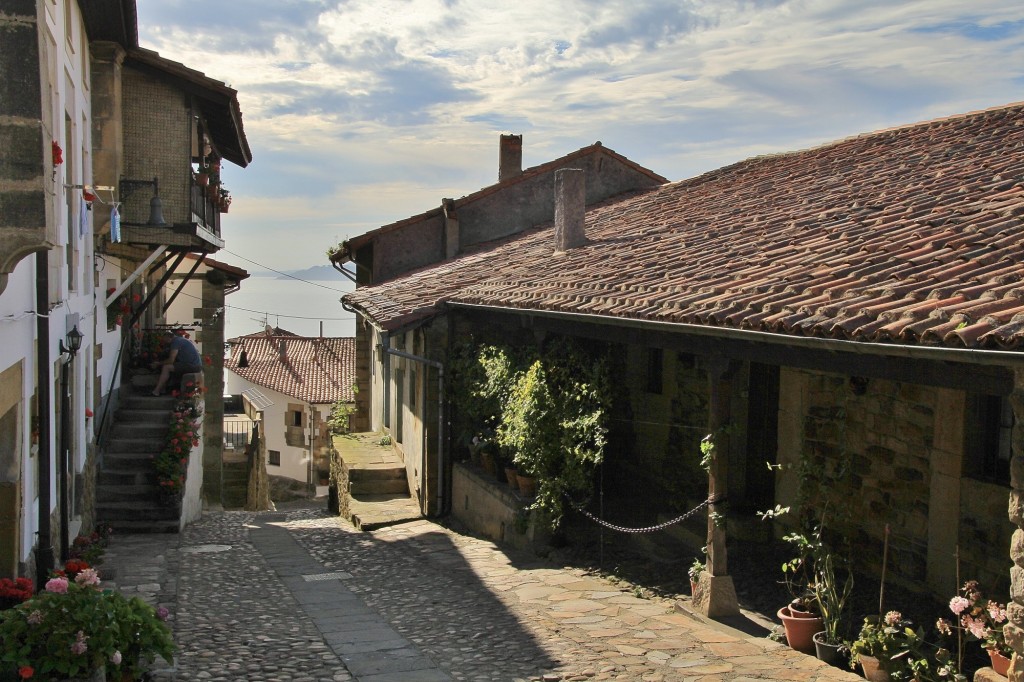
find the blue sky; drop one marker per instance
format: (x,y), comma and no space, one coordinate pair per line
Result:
(363,112)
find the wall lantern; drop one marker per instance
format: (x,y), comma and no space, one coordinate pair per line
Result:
(74,338)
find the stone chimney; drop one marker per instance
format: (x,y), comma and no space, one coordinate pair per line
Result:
(510,157)
(451,228)
(570,208)
(282,351)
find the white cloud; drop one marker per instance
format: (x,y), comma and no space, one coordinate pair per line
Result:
(363,112)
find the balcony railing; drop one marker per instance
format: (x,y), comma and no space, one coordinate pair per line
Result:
(205,211)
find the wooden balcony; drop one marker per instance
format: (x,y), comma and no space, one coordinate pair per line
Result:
(200,231)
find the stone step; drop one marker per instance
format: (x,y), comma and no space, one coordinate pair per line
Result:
(377,511)
(149,510)
(147,401)
(127,492)
(145,415)
(128,461)
(135,445)
(359,473)
(379,487)
(140,429)
(127,526)
(127,477)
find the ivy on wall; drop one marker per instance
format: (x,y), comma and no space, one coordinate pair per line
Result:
(547,411)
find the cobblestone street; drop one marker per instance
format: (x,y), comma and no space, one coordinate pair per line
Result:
(302,596)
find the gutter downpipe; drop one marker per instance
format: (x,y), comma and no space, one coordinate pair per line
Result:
(44,412)
(970,355)
(440,417)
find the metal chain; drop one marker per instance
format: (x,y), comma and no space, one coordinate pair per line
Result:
(650,529)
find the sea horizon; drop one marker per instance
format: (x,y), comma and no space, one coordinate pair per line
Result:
(300,307)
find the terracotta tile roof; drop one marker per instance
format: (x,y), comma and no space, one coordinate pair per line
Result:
(911,235)
(274,331)
(233,271)
(314,370)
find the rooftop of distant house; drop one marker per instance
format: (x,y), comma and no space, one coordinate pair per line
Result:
(318,370)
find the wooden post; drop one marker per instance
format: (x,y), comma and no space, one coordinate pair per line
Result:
(716,594)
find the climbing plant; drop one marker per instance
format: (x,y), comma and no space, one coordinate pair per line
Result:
(554,421)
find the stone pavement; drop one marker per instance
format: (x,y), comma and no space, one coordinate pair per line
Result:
(304,597)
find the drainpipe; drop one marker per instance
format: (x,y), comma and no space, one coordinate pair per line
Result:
(44,412)
(440,416)
(385,371)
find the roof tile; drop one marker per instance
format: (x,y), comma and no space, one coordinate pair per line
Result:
(899,236)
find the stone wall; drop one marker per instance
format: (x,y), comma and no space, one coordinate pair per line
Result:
(492,509)
(157,117)
(1014,630)
(662,465)
(25,136)
(892,455)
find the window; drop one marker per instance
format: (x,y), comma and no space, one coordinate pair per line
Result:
(655,369)
(274,458)
(296,418)
(412,389)
(988,426)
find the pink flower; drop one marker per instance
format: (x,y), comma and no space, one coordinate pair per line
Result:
(58,585)
(115,658)
(162,613)
(79,647)
(35,618)
(975,626)
(943,626)
(995,612)
(87,577)
(958,604)
(893,617)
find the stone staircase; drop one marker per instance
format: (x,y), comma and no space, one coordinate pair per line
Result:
(126,490)
(373,489)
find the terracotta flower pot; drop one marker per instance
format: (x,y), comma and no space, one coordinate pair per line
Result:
(510,476)
(527,485)
(873,669)
(1000,663)
(800,631)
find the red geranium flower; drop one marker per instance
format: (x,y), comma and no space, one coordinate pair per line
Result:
(25,672)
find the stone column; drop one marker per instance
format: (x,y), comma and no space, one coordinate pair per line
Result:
(107,122)
(1014,630)
(716,594)
(212,336)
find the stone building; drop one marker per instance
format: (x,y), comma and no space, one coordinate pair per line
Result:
(298,380)
(98,204)
(851,312)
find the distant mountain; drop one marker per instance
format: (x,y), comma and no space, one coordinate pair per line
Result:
(317,272)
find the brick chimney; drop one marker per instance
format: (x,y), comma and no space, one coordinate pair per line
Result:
(570,208)
(510,157)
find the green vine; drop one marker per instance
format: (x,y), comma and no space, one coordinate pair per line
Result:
(548,412)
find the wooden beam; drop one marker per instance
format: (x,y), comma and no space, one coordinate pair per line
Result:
(985,379)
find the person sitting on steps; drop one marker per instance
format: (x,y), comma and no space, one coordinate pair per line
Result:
(182,357)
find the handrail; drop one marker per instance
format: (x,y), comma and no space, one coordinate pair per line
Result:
(118,371)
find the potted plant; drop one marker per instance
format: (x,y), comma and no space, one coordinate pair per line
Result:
(833,582)
(982,619)
(696,568)
(801,618)
(202,174)
(74,629)
(889,648)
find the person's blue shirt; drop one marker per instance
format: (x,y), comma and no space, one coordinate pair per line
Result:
(188,354)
